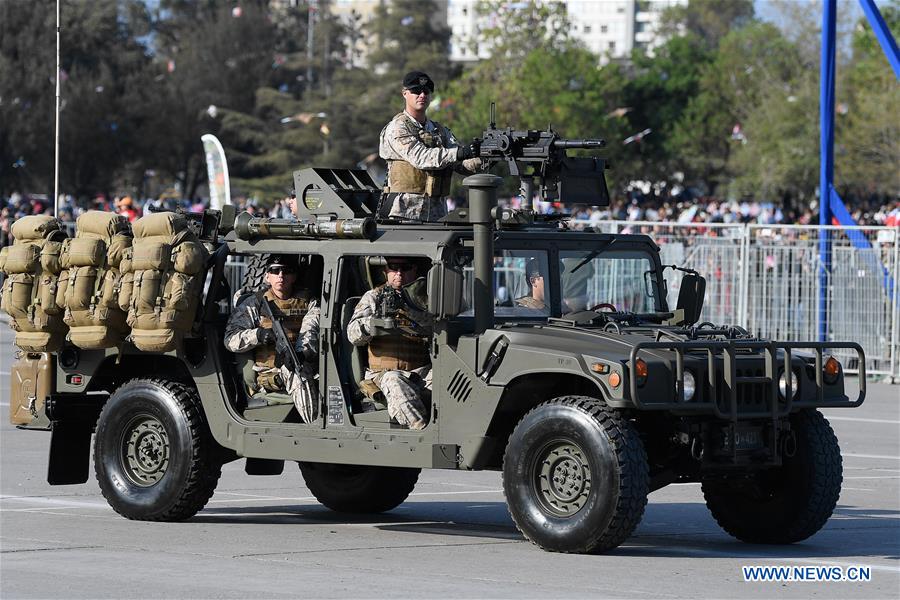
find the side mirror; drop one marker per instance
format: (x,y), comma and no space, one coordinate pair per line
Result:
(691,296)
(444,291)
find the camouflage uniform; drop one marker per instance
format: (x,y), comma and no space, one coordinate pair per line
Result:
(242,334)
(421,161)
(403,388)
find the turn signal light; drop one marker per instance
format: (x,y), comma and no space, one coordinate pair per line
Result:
(640,371)
(831,370)
(614,380)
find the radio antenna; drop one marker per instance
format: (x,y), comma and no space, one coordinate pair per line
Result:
(493,121)
(56,140)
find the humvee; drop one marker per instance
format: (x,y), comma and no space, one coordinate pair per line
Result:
(586,404)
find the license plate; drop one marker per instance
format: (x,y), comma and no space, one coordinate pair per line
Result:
(748,439)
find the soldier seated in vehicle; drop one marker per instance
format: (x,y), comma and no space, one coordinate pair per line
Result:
(249,329)
(535,280)
(396,331)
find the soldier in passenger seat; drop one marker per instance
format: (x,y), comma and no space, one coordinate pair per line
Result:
(248,329)
(397,335)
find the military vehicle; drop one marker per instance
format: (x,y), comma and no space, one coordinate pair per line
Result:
(586,398)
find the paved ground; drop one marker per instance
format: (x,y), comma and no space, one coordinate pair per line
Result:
(266,537)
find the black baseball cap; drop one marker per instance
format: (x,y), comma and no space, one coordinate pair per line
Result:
(418,79)
(280,261)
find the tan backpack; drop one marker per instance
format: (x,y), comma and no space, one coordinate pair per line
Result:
(29,295)
(90,285)
(165,269)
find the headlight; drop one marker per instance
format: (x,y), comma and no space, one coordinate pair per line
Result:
(690,385)
(782,385)
(640,372)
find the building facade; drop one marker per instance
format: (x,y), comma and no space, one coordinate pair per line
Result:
(609,28)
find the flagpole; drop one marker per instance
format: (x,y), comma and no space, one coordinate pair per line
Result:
(56,141)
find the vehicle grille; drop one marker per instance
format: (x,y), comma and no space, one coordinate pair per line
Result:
(751,397)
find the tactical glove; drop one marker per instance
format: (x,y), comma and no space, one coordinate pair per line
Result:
(466,152)
(266,336)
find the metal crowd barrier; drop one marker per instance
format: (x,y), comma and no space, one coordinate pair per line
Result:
(765,278)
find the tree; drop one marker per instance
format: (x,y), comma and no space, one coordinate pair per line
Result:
(708,20)
(867,136)
(205,56)
(750,63)
(100,57)
(658,93)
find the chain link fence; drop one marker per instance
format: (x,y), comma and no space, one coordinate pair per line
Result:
(766,278)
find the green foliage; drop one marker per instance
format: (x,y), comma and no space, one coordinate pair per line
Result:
(708,20)
(867,136)
(100,55)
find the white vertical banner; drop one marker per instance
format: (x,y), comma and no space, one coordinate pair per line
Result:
(217,170)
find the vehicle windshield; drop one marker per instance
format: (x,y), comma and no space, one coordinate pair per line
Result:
(602,279)
(525,285)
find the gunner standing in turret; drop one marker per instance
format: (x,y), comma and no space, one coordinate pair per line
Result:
(421,155)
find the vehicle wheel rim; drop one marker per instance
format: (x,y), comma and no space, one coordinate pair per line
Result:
(145,450)
(562,477)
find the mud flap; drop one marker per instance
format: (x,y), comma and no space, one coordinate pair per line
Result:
(70,447)
(264,466)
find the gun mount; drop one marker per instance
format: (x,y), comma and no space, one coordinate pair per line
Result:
(541,155)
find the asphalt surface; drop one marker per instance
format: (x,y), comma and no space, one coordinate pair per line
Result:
(266,537)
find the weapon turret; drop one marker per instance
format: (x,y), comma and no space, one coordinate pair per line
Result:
(541,155)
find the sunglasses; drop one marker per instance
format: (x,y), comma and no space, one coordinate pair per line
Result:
(400,267)
(419,89)
(280,270)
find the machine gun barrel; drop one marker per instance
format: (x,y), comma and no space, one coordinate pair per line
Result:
(576,144)
(248,227)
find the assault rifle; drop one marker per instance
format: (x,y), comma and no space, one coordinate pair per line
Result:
(283,346)
(541,155)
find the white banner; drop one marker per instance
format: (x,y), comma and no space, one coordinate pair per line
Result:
(217,170)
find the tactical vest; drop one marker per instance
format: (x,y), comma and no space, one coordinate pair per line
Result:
(91,283)
(290,312)
(30,290)
(163,281)
(397,352)
(404,178)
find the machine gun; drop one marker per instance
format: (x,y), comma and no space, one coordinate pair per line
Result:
(283,346)
(391,312)
(541,155)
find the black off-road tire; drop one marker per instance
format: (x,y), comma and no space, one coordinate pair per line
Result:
(575,476)
(254,277)
(787,504)
(359,488)
(154,456)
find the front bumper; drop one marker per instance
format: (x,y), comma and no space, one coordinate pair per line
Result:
(725,385)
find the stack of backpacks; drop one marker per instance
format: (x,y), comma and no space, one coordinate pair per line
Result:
(103,287)
(30,289)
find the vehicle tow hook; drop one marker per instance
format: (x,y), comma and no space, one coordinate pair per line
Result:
(789,444)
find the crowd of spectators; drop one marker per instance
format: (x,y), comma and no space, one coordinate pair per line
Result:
(636,208)
(713,210)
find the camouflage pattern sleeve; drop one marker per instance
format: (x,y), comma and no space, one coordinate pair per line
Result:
(400,141)
(308,340)
(359,329)
(466,167)
(242,330)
